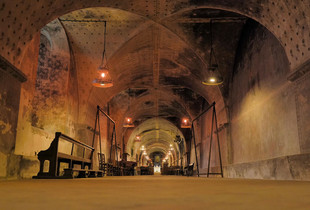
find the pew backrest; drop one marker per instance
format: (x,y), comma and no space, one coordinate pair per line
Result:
(73,149)
(64,149)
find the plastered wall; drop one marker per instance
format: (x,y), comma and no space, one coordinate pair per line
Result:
(9,108)
(265,108)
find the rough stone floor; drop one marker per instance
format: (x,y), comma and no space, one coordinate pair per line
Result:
(154,192)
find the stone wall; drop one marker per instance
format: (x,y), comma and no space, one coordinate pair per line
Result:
(44,100)
(10,83)
(265,108)
(47,102)
(293,167)
(50,101)
(302,100)
(268,134)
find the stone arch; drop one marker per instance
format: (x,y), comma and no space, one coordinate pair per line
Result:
(252,9)
(165,130)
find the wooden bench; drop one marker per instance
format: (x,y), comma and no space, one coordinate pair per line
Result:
(189,170)
(146,170)
(64,149)
(171,170)
(82,173)
(127,167)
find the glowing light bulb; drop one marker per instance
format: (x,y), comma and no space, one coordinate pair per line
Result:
(212,80)
(102,75)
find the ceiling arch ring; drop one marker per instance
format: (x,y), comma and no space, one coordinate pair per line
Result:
(229,10)
(131,144)
(151,143)
(139,100)
(115,91)
(219,7)
(95,91)
(135,104)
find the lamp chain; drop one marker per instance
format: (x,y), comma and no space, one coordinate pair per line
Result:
(104,57)
(212,53)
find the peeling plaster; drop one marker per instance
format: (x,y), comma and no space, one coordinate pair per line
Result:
(5,127)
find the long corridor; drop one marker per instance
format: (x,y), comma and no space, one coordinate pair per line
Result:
(154,192)
(98,95)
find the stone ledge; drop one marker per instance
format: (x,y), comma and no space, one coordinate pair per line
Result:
(293,167)
(12,70)
(300,71)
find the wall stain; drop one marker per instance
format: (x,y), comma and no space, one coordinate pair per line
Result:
(5,127)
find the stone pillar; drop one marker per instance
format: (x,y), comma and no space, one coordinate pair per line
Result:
(10,85)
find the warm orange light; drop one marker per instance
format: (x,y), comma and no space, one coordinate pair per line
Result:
(185,123)
(212,79)
(103,79)
(128,123)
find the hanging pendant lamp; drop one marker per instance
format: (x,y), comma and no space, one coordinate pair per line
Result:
(185,123)
(137,138)
(103,78)
(128,122)
(214,77)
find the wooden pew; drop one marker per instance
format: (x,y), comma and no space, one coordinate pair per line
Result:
(65,149)
(128,167)
(146,170)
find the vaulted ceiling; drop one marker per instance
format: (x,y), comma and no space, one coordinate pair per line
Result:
(157,68)
(164,62)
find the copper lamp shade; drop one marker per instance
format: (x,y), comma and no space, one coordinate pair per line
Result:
(185,123)
(103,79)
(128,123)
(214,77)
